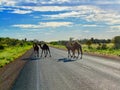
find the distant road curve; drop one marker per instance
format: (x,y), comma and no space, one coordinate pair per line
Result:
(59,73)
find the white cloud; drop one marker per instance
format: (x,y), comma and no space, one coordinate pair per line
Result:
(114,29)
(25,26)
(8,2)
(83,1)
(86,31)
(44,8)
(88,25)
(18,11)
(65,15)
(107,2)
(86,12)
(47,33)
(54,1)
(39,2)
(43,25)
(29,1)
(77,11)
(56,24)
(89,13)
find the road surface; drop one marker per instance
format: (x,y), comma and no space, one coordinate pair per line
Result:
(59,73)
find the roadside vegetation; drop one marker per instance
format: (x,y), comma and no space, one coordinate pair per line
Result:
(10,49)
(95,46)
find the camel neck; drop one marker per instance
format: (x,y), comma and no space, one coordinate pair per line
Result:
(41,46)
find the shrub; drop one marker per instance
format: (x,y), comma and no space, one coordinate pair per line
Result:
(1,47)
(89,43)
(104,46)
(117,42)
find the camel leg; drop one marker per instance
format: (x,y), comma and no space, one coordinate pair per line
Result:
(78,53)
(68,53)
(41,53)
(73,53)
(49,52)
(37,53)
(81,52)
(46,53)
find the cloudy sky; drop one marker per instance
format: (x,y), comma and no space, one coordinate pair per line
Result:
(50,20)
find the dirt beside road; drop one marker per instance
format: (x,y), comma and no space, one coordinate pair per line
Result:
(9,73)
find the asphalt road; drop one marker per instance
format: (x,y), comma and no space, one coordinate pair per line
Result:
(59,73)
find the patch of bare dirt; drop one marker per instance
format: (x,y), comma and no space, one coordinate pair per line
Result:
(9,73)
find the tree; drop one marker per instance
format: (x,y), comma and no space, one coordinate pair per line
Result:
(116,41)
(1,47)
(71,39)
(25,39)
(89,43)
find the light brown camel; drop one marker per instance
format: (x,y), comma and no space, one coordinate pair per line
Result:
(73,46)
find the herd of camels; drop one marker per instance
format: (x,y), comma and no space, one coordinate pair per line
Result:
(72,46)
(44,47)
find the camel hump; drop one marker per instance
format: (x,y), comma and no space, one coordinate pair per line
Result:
(74,42)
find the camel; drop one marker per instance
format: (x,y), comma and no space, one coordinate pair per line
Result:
(45,49)
(36,49)
(73,46)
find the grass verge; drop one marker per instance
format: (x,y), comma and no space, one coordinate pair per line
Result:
(11,53)
(108,51)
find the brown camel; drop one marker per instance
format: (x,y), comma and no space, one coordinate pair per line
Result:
(36,49)
(45,49)
(73,46)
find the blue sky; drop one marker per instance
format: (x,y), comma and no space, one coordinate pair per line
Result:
(51,20)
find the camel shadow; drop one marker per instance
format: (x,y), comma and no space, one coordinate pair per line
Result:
(66,60)
(31,59)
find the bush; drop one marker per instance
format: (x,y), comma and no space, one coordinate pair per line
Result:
(117,42)
(104,46)
(1,47)
(89,43)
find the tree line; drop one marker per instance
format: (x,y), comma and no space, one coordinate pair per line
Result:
(9,42)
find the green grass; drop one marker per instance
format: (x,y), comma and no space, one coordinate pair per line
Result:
(11,53)
(58,46)
(108,51)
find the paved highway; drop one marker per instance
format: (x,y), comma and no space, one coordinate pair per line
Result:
(59,73)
